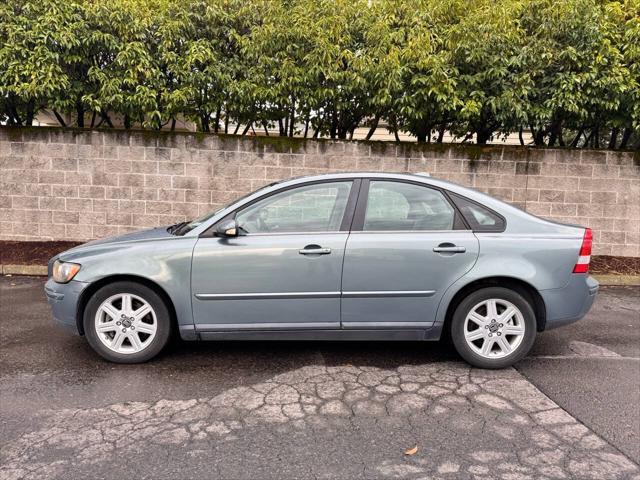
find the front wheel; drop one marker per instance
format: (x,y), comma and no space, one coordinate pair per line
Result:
(126,322)
(493,327)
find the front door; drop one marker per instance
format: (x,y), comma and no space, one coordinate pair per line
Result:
(283,271)
(407,248)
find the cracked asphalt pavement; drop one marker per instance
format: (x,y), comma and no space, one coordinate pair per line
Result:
(319,410)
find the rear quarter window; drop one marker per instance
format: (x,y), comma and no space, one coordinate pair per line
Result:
(479,217)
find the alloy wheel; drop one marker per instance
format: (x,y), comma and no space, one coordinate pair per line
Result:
(126,323)
(494,328)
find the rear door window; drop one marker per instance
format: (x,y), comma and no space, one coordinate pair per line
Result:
(398,206)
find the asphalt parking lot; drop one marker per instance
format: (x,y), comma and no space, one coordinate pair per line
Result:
(319,410)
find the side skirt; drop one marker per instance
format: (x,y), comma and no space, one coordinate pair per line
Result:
(323,335)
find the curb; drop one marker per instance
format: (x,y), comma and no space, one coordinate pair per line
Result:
(605,280)
(618,280)
(38,270)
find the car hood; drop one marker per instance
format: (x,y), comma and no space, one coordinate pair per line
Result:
(137,236)
(149,234)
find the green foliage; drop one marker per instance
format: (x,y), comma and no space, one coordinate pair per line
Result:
(568,71)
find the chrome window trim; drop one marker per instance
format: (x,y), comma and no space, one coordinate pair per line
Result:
(269,234)
(396,232)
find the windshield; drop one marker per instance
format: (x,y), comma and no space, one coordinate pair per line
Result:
(185,227)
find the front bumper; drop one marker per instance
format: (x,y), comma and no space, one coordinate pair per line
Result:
(570,303)
(63,300)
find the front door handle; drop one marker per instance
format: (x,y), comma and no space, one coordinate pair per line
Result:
(314,250)
(449,248)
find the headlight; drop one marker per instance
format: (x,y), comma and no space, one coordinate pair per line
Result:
(63,272)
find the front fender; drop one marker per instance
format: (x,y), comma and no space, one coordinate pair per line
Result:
(165,262)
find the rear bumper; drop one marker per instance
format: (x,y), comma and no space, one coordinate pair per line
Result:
(63,300)
(570,303)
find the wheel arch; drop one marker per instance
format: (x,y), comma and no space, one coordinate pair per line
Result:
(525,289)
(98,284)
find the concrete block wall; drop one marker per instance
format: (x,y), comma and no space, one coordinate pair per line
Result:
(58,184)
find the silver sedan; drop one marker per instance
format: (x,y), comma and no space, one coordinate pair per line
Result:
(360,256)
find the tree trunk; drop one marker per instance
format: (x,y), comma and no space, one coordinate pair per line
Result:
(216,127)
(244,132)
(614,138)
(264,125)
(482,136)
(576,139)
(394,128)
(226,120)
(79,114)
(626,135)
(235,132)
(59,118)
(281,130)
(441,131)
(333,130)
(421,133)
(106,119)
(30,113)
(306,127)
(204,123)
(173,124)
(538,136)
(14,116)
(127,122)
(293,117)
(596,137)
(520,136)
(93,119)
(374,127)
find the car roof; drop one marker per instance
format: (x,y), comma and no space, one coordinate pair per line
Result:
(421,177)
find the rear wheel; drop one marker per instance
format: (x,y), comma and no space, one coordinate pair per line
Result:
(126,322)
(493,327)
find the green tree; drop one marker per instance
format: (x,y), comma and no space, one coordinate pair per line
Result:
(493,80)
(577,70)
(123,70)
(41,58)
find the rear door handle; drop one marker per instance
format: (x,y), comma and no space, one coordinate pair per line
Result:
(449,249)
(314,250)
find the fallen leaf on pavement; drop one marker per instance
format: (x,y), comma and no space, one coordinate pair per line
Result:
(411,451)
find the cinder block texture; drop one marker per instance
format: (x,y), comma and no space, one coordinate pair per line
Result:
(60,184)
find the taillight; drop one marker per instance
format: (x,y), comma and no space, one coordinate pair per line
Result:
(582,266)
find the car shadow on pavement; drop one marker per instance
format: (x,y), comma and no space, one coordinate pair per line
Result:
(359,354)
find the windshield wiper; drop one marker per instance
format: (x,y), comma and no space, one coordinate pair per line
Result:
(174,228)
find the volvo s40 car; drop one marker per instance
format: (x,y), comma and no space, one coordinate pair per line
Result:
(359,256)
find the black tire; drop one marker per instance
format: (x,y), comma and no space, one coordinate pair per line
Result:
(463,309)
(163,318)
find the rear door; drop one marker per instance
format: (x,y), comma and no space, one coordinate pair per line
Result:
(408,244)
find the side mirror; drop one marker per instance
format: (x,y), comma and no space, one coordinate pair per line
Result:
(227,229)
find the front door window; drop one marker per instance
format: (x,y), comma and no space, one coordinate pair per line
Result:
(311,208)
